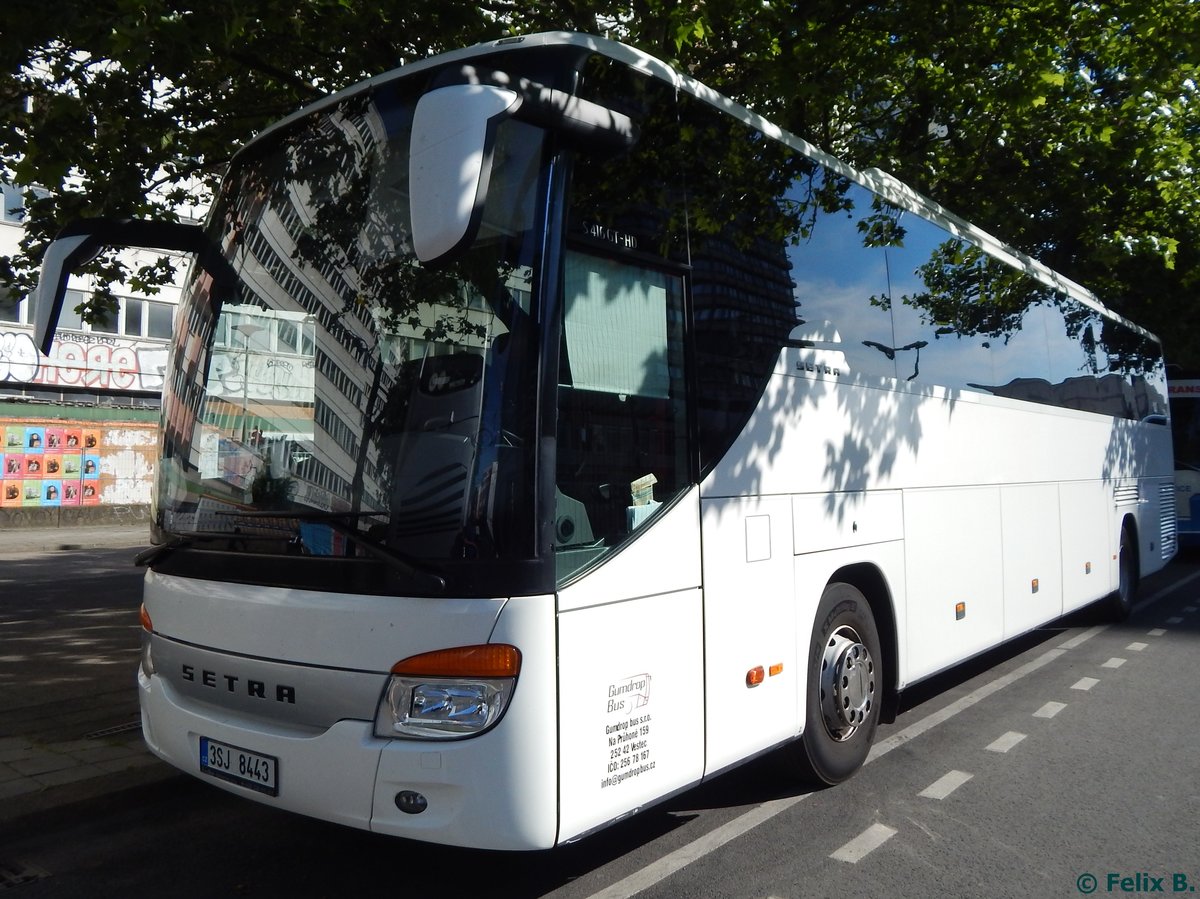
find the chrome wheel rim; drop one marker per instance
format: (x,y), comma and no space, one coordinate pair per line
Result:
(847,683)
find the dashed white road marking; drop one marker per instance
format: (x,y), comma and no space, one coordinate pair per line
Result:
(931,721)
(945,785)
(1174,619)
(1085,683)
(1156,632)
(864,844)
(1136,647)
(1005,742)
(1114,662)
(1189,609)
(1049,710)
(1080,639)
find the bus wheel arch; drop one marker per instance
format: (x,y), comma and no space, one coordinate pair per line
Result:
(870,582)
(847,679)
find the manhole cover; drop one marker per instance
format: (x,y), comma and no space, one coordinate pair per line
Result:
(113,731)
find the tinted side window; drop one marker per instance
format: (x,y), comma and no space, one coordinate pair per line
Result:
(841,275)
(968,321)
(740,228)
(1138,361)
(956,313)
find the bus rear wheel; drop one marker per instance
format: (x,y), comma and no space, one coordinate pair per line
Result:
(1120,603)
(845,686)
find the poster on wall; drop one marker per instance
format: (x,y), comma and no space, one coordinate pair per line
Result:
(45,466)
(72,465)
(63,463)
(35,440)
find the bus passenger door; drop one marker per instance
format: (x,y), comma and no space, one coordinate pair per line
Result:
(627,546)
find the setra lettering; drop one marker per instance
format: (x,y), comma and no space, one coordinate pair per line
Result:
(254,688)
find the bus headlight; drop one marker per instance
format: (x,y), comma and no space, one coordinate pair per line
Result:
(440,709)
(448,694)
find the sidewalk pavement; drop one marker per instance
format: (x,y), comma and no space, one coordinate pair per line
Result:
(17,540)
(57,753)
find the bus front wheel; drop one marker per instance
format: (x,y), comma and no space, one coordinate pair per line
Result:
(845,686)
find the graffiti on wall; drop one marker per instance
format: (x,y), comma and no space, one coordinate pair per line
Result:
(57,463)
(89,361)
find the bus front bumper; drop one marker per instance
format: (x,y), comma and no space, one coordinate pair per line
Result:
(435,792)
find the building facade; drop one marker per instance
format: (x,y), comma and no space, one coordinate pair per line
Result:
(78,428)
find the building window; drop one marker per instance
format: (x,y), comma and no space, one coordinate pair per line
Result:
(132,326)
(14,210)
(159,319)
(14,203)
(68,318)
(11,306)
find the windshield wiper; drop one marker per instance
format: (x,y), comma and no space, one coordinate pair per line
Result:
(340,522)
(154,553)
(399,561)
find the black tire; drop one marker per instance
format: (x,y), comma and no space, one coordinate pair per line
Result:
(845,687)
(1120,603)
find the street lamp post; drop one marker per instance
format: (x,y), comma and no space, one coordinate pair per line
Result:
(247,330)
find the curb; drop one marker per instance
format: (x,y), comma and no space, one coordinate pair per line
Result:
(36,540)
(63,801)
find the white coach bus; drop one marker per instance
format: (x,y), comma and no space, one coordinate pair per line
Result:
(545,434)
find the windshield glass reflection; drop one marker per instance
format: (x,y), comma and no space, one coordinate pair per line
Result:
(346,401)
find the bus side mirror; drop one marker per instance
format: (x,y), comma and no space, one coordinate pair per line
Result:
(81,241)
(454,134)
(76,245)
(450,164)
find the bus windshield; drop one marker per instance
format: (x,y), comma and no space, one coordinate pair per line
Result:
(344,401)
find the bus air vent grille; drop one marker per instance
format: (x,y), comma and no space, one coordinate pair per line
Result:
(1126,494)
(1166,517)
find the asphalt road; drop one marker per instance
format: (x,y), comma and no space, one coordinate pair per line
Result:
(1062,765)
